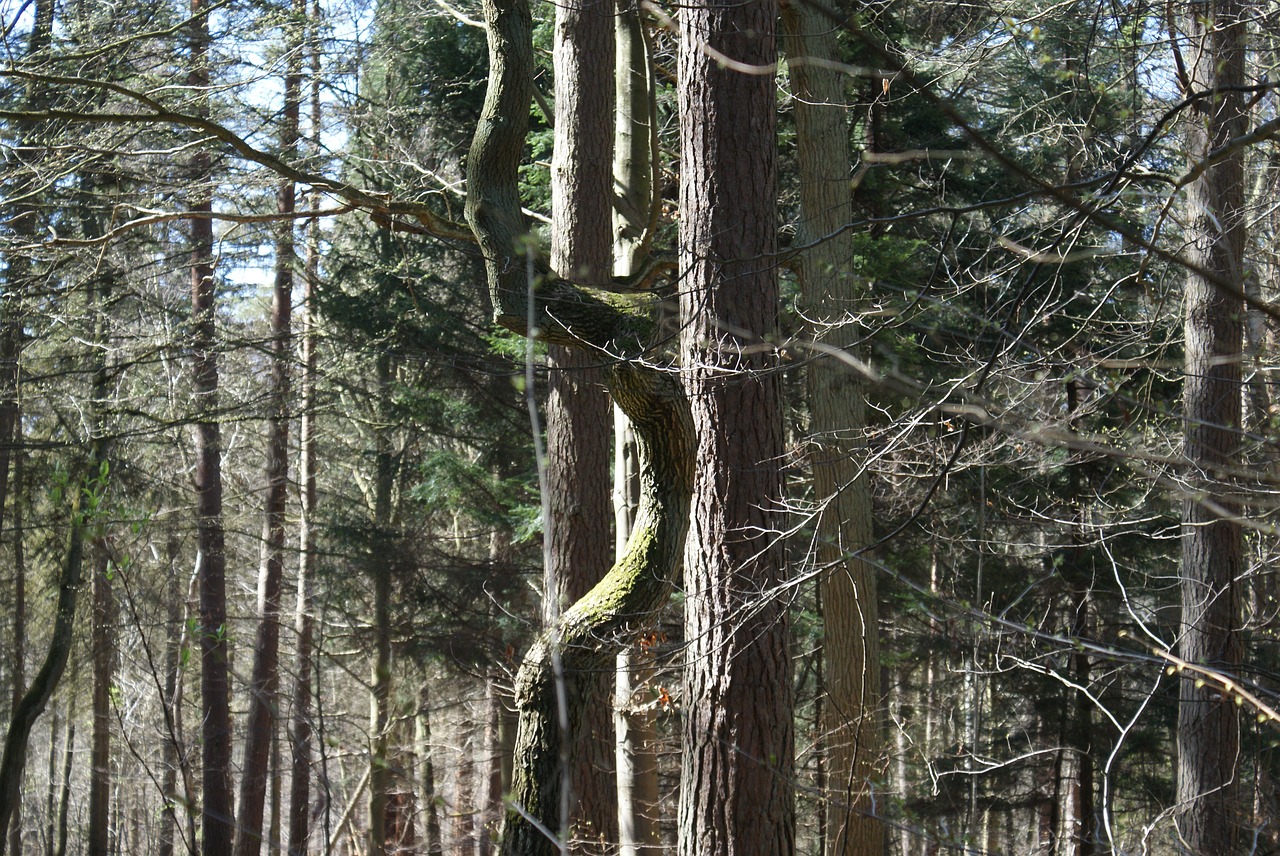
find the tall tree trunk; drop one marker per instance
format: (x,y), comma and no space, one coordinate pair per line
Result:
(217,820)
(100,780)
(64,798)
(578,410)
(1212,544)
(300,730)
(561,669)
(24,224)
(20,623)
(837,417)
(260,732)
(736,785)
(427,772)
(385,464)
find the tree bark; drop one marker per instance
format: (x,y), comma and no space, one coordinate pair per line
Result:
(20,622)
(578,410)
(852,725)
(300,730)
(217,817)
(736,784)
(1209,816)
(264,686)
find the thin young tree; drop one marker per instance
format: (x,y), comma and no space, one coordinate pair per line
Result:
(264,687)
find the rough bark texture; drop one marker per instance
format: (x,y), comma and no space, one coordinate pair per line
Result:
(736,792)
(263,689)
(578,410)
(217,822)
(1210,817)
(852,724)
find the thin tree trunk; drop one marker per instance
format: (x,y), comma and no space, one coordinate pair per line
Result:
(427,772)
(64,799)
(100,780)
(578,410)
(20,621)
(300,730)
(830,293)
(380,698)
(217,816)
(634,163)
(1208,733)
(172,675)
(51,798)
(736,785)
(260,732)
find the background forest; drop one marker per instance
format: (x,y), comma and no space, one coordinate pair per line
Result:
(976,424)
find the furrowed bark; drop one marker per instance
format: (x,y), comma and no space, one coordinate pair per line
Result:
(852,723)
(1209,811)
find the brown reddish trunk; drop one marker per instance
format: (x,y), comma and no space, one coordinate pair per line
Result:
(579,416)
(736,784)
(263,689)
(217,821)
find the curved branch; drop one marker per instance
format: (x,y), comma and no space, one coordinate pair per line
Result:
(623,324)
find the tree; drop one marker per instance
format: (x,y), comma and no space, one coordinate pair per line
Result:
(1212,540)
(578,410)
(263,690)
(736,785)
(217,822)
(852,724)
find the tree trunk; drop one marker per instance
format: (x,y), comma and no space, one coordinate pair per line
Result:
(589,634)
(385,464)
(304,624)
(99,833)
(427,772)
(1212,544)
(578,410)
(736,784)
(64,799)
(20,623)
(261,719)
(634,163)
(837,417)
